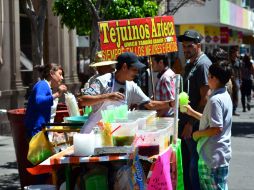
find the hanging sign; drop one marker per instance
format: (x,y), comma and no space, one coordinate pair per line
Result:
(143,36)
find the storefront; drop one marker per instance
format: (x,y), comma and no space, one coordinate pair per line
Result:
(222,23)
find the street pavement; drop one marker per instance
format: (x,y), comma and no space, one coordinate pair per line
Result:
(241,170)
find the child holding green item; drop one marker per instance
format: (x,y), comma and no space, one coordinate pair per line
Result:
(213,136)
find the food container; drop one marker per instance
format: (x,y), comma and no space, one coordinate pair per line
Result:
(153,137)
(143,117)
(76,119)
(83,144)
(124,135)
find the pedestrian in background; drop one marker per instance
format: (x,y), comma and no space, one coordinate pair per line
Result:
(247,71)
(214,134)
(101,67)
(84,70)
(165,86)
(236,76)
(195,83)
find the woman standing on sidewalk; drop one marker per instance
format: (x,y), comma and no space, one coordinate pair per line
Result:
(246,71)
(43,98)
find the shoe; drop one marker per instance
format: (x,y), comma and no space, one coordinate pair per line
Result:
(244,110)
(248,107)
(236,114)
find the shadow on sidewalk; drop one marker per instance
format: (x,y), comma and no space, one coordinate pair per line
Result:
(243,129)
(9,165)
(9,181)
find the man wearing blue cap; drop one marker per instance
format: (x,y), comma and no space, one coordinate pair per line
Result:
(112,88)
(195,83)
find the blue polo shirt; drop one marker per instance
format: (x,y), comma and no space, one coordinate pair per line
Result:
(216,150)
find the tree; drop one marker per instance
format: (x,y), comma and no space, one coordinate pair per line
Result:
(37,19)
(84,15)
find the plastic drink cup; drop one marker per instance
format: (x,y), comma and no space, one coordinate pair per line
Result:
(183,101)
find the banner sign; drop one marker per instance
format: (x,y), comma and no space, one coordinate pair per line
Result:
(143,36)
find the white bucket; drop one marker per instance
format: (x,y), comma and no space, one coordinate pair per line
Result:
(40,187)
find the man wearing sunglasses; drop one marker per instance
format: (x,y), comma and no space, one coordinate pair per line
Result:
(195,83)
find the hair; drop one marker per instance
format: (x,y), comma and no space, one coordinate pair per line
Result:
(219,54)
(221,70)
(246,62)
(162,57)
(233,49)
(45,70)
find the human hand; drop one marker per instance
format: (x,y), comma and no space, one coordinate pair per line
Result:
(195,136)
(189,109)
(115,96)
(172,103)
(62,89)
(186,134)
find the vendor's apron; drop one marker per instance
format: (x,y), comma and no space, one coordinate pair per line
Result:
(95,117)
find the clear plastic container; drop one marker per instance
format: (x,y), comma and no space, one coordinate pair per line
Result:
(143,117)
(154,137)
(125,134)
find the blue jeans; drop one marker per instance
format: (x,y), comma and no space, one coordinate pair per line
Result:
(190,164)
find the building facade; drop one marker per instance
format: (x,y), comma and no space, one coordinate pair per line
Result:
(222,23)
(15,52)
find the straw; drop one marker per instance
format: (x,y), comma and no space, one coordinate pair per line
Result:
(116,129)
(101,125)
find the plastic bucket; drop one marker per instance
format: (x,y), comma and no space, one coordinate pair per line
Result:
(16,118)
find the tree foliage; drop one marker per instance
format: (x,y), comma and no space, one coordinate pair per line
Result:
(79,14)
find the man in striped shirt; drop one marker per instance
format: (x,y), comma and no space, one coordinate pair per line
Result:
(165,86)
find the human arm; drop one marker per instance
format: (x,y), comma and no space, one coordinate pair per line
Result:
(89,100)
(159,105)
(165,90)
(208,132)
(192,112)
(204,94)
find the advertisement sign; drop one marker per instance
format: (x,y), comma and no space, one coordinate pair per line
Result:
(143,36)
(198,27)
(212,34)
(224,35)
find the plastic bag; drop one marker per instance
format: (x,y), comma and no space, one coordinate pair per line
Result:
(71,104)
(177,174)
(39,148)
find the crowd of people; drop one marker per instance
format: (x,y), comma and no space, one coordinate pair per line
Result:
(212,83)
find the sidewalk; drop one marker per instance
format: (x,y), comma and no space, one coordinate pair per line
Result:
(9,177)
(241,169)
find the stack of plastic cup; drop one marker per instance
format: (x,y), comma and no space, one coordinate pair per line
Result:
(183,101)
(122,111)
